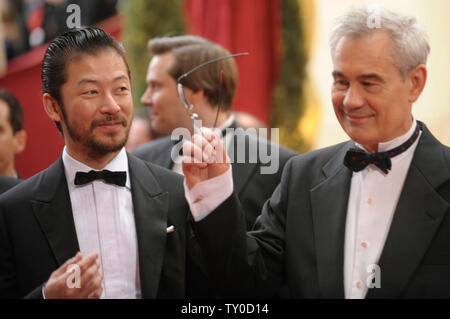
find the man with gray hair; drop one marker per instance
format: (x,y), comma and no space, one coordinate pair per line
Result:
(367,218)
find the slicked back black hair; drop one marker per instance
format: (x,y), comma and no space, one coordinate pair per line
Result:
(59,52)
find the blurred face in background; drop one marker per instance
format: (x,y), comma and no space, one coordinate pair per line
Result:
(11,143)
(166,110)
(139,133)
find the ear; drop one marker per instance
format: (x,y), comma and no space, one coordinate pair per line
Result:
(197,97)
(20,141)
(200,101)
(417,78)
(51,107)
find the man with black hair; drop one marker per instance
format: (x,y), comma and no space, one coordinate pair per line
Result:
(98,222)
(13,137)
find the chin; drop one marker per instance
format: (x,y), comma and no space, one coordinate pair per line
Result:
(160,130)
(108,145)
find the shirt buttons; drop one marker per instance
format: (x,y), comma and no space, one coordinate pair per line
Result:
(359,285)
(369,200)
(364,244)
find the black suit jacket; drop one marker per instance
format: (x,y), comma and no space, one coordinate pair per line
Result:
(299,238)
(252,187)
(37,232)
(8,182)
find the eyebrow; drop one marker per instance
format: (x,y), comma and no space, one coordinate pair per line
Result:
(337,73)
(372,76)
(84,81)
(367,76)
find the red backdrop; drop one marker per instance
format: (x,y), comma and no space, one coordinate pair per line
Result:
(244,26)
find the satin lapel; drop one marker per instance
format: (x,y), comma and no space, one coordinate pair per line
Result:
(329,202)
(418,215)
(150,211)
(53,211)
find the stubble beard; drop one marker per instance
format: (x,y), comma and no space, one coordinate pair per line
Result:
(96,146)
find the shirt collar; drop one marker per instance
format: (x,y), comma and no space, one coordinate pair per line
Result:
(385,146)
(72,166)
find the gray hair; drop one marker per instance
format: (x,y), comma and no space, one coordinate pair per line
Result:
(410,43)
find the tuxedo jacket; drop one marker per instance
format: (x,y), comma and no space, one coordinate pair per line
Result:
(37,232)
(299,238)
(8,182)
(252,187)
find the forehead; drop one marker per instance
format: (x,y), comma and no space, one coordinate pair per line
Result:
(368,53)
(160,65)
(104,65)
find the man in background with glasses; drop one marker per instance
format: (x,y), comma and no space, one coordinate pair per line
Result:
(208,92)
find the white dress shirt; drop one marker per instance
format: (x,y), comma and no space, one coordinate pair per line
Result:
(371,206)
(104,223)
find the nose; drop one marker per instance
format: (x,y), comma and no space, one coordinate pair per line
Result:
(353,98)
(146,98)
(109,105)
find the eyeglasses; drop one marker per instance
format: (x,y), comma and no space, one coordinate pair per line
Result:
(188,107)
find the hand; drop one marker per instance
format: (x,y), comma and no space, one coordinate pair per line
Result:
(205,157)
(60,285)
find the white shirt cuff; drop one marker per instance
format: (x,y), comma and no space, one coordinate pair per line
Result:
(43,288)
(206,196)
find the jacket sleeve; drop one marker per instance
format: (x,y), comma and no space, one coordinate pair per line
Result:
(246,265)
(8,280)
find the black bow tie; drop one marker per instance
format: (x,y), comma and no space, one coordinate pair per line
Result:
(356,159)
(117,178)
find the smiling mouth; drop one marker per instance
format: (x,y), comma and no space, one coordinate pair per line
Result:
(358,117)
(110,124)
(110,127)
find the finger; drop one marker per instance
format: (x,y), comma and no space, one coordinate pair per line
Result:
(203,143)
(220,153)
(208,133)
(88,261)
(88,275)
(193,152)
(92,286)
(62,269)
(97,294)
(213,138)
